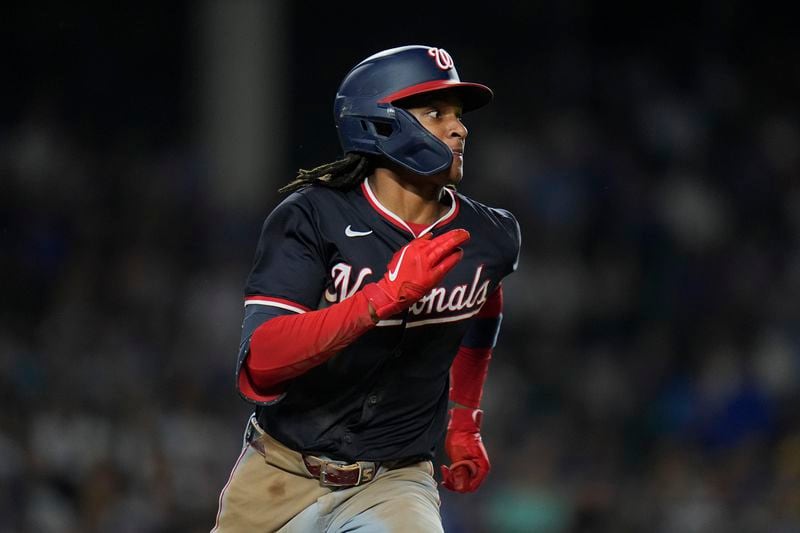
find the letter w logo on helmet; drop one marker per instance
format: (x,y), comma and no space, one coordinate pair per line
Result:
(443,60)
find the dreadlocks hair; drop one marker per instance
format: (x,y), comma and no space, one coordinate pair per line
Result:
(340,174)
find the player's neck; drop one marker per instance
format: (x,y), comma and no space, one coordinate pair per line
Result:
(416,201)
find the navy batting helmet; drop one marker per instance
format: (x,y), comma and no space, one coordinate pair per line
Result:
(368,122)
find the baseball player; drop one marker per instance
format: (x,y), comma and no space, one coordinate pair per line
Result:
(371,312)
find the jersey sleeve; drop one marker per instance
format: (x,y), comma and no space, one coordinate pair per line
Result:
(289,268)
(511,228)
(287,277)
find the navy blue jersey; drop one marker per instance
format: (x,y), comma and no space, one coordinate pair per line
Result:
(386,395)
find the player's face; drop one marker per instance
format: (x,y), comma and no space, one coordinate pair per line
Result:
(441,115)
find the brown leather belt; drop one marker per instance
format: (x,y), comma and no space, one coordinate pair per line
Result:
(335,473)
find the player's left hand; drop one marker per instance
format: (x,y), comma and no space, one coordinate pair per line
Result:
(469,461)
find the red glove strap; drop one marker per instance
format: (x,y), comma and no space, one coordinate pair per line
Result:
(468,420)
(382,302)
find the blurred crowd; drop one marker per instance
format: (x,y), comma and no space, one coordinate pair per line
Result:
(646,376)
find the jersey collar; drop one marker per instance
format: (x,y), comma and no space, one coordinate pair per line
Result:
(399,222)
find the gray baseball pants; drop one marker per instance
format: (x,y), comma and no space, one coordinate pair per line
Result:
(275,492)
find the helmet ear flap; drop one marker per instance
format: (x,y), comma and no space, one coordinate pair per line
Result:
(392,132)
(414,147)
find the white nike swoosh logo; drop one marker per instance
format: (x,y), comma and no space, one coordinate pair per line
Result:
(393,275)
(350,232)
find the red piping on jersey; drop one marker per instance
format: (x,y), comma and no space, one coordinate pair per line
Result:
(416,228)
(276,302)
(398,222)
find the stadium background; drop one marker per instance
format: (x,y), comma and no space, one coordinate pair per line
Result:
(646,378)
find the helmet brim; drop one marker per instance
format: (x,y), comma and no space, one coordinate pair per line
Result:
(472,95)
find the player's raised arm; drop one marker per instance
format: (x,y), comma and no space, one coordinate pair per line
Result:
(289,345)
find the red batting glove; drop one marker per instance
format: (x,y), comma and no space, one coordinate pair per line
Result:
(414,270)
(470,463)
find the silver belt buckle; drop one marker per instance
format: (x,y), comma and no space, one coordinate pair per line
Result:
(323,474)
